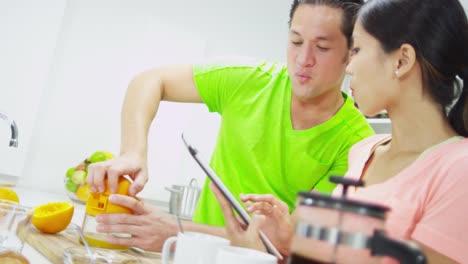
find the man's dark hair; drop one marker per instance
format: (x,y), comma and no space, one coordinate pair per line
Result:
(349,7)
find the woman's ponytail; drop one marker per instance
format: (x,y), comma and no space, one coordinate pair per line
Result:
(458,115)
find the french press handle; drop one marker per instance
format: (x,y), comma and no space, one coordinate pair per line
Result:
(406,253)
(346,182)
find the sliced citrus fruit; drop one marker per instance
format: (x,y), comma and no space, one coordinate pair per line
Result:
(53,217)
(8,194)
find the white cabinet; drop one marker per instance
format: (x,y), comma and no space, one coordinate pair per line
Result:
(381,125)
(29,32)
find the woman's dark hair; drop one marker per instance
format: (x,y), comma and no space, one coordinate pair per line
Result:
(349,7)
(438,31)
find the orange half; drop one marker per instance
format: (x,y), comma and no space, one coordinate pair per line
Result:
(54,217)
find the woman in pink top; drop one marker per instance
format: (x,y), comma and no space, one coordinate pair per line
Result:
(410,58)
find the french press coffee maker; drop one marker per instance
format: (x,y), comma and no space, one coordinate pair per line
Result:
(339,230)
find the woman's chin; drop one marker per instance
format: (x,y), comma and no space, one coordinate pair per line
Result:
(370,114)
(365,111)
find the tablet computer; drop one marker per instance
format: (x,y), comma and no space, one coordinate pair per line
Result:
(229,196)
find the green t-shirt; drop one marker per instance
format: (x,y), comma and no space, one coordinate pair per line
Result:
(257,150)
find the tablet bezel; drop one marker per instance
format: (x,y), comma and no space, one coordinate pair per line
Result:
(229,196)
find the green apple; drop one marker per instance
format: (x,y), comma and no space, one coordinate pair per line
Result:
(108,155)
(71,186)
(79,177)
(97,156)
(70,172)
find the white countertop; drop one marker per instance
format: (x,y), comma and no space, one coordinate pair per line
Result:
(32,198)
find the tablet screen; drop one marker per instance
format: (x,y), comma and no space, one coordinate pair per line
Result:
(228,195)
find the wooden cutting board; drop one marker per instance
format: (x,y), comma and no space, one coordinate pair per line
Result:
(53,246)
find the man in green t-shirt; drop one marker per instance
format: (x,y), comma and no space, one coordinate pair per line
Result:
(283,129)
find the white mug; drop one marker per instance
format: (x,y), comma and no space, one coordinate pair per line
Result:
(236,255)
(194,248)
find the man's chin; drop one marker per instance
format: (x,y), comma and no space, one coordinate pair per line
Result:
(305,93)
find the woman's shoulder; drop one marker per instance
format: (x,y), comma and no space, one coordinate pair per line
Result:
(452,157)
(370,142)
(445,165)
(361,151)
(453,151)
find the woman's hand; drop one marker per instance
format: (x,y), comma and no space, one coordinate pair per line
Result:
(269,215)
(277,226)
(148,226)
(236,230)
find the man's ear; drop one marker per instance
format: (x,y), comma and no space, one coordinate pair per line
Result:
(405,60)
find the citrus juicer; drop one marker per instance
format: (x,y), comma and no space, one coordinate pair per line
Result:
(98,203)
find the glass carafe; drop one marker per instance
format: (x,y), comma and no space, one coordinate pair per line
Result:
(99,203)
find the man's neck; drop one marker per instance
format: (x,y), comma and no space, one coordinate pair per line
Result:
(307,113)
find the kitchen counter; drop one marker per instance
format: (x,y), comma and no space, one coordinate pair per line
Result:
(34,198)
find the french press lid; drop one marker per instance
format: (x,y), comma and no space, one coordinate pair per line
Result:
(378,243)
(342,203)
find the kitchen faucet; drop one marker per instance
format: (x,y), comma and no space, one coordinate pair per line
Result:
(14,130)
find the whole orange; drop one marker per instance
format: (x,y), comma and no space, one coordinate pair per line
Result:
(83,192)
(53,217)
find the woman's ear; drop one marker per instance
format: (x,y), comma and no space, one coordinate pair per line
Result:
(347,58)
(405,60)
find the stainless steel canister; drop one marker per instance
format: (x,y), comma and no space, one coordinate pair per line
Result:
(188,194)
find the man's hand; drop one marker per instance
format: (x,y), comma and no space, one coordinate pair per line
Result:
(130,164)
(148,226)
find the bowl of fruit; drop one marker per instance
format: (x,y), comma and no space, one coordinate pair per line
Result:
(75,178)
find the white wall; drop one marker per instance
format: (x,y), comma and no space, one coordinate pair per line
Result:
(74,59)
(101,45)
